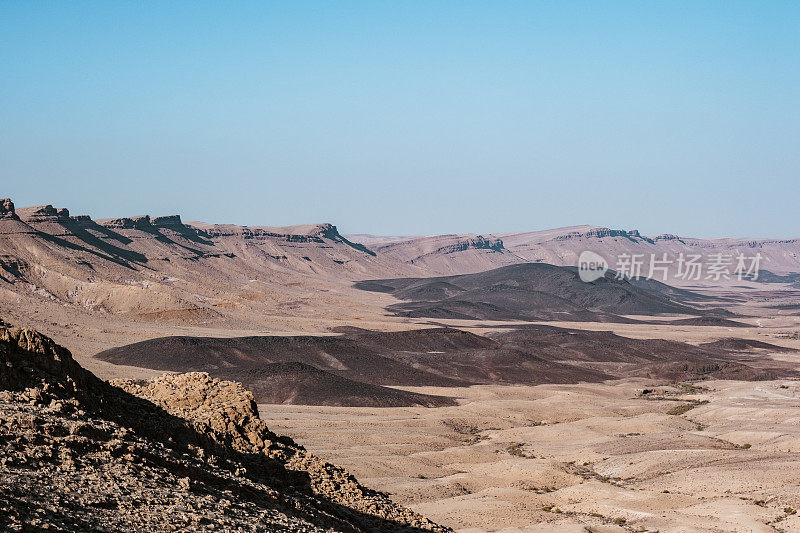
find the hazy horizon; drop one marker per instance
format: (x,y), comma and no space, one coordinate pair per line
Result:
(408,119)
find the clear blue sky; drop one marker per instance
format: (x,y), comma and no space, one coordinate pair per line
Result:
(408,117)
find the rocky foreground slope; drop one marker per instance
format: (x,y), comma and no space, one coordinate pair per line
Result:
(181,452)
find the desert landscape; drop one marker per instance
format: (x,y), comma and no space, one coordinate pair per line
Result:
(515,398)
(400,266)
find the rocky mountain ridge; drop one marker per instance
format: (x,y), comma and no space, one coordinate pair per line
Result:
(159,268)
(563,246)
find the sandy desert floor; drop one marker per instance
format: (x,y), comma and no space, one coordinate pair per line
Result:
(724,456)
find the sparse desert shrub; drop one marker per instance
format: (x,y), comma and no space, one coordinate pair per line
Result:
(469,441)
(516,450)
(681,409)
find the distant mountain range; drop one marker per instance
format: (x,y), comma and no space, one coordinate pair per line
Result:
(440,254)
(59,270)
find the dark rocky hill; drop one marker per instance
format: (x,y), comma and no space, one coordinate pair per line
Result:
(359,367)
(527,291)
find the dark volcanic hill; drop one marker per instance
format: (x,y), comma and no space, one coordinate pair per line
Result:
(355,369)
(526,292)
(649,358)
(316,370)
(742,345)
(302,384)
(709,321)
(346,356)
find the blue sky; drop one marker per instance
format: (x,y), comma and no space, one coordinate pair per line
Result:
(408,117)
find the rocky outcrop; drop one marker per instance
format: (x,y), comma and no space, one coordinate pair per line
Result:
(601,233)
(317,233)
(312,233)
(222,408)
(10,223)
(43,213)
(330,232)
(141,223)
(182,452)
(479,242)
(229,411)
(169,221)
(82,220)
(29,359)
(7,209)
(11,268)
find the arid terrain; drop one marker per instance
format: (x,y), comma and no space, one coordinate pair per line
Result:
(622,455)
(474,379)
